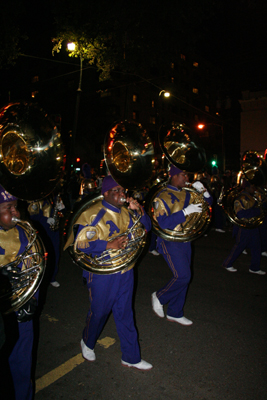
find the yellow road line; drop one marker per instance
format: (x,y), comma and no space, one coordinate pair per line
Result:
(68,366)
(58,372)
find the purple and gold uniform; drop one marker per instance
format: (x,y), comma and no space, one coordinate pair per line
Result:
(245,207)
(111,292)
(169,206)
(19,335)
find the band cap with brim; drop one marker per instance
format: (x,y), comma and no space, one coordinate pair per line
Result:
(5,197)
(174,171)
(108,184)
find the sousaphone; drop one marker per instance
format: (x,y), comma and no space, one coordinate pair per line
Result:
(31,165)
(129,156)
(180,148)
(253,170)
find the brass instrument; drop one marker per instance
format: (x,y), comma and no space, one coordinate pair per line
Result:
(254,170)
(180,148)
(129,155)
(111,261)
(21,284)
(31,164)
(31,151)
(195,225)
(182,151)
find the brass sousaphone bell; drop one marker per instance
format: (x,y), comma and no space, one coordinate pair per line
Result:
(129,155)
(31,164)
(181,150)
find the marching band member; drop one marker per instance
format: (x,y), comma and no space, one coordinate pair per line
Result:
(171,208)
(16,353)
(245,206)
(110,292)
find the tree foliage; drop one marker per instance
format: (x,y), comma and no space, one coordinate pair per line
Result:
(127,35)
(10,33)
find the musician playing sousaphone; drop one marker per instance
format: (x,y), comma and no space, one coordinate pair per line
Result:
(99,229)
(17,350)
(171,207)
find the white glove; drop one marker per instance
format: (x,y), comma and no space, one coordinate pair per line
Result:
(206,194)
(199,186)
(50,221)
(192,208)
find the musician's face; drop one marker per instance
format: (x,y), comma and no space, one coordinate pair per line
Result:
(179,180)
(115,196)
(7,211)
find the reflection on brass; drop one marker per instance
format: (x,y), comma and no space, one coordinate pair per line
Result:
(15,153)
(253,170)
(195,224)
(180,149)
(110,261)
(31,151)
(129,155)
(22,285)
(121,157)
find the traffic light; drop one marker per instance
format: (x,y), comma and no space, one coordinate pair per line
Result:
(214,160)
(78,159)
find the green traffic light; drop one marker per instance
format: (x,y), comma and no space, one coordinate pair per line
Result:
(213,163)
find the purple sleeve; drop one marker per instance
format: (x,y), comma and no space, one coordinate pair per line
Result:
(171,221)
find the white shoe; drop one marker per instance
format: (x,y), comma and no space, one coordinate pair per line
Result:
(154,252)
(182,320)
(259,272)
(157,307)
(231,269)
(264,253)
(55,284)
(245,251)
(87,353)
(220,230)
(143,365)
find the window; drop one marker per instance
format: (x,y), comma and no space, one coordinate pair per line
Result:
(207,109)
(172,79)
(195,90)
(35,79)
(172,65)
(135,115)
(182,57)
(195,64)
(34,93)
(135,98)
(152,120)
(153,103)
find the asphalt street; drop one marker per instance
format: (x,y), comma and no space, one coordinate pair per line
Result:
(222,356)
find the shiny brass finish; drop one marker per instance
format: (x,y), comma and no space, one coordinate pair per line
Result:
(180,148)
(228,205)
(111,261)
(31,151)
(18,286)
(195,225)
(253,170)
(129,155)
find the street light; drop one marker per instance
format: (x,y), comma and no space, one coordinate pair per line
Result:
(164,93)
(202,126)
(71,47)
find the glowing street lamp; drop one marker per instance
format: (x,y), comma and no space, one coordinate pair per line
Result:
(71,46)
(164,93)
